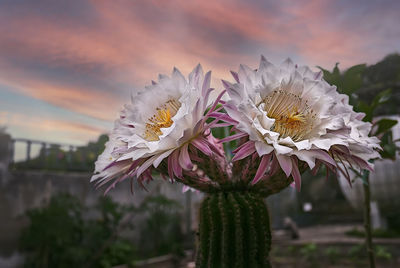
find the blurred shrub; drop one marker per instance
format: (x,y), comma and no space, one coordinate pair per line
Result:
(65,233)
(309,251)
(381,233)
(383,253)
(161,230)
(60,236)
(332,253)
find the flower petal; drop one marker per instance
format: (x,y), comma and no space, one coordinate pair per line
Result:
(184,158)
(296,174)
(262,168)
(247,149)
(286,163)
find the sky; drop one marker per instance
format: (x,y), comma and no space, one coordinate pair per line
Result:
(67,67)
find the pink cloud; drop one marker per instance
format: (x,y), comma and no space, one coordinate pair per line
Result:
(91,67)
(49,129)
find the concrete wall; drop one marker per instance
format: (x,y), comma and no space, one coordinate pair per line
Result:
(23,190)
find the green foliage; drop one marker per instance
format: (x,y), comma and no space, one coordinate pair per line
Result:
(384,125)
(60,236)
(385,71)
(234,231)
(364,83)
(332,253)
(383,253)
(309,251)
(357,251)
(350,82)
(347,82)
(381,233)
(161,230)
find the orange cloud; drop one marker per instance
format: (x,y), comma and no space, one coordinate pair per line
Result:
(53,130)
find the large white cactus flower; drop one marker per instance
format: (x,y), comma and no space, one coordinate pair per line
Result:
(160,122)
(290,113)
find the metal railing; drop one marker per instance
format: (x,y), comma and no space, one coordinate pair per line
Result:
(44,145)
(51,156)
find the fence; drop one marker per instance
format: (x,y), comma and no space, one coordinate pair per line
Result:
(50,156)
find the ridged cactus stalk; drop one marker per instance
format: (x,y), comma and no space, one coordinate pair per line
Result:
(234,231)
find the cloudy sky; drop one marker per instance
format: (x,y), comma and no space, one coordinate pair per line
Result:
(67,67)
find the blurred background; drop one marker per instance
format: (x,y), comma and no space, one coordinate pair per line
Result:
(67,68)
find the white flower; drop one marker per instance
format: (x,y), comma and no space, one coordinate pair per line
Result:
(160,122)
(291,111)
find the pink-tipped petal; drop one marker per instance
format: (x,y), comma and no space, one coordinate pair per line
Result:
(227,118)
(215,103)
(113,163)
(362,163)
(216,147)
(206,96)
(206,83)
(265,160)
(285,163)
(220,125)
(235,76)
(226,84)
(214,123)
(216,114)
(202,146)
(170,170)
(161,157)
(296,174)
(197,113)
(320,154)
(184,158)
(245,151)
(233,137)
(175,164)
(241,146)
(185,188)
(314,171)
(145,165)
(274,166)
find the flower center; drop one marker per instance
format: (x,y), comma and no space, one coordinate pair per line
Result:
(161,119)
(293,116)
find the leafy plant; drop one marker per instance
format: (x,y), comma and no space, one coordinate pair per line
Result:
(309,251)
(356,251)
(332,253)
(60,236)
(383,253)
(161,230)
(375,233)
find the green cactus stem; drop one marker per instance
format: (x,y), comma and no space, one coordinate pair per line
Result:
(234,231)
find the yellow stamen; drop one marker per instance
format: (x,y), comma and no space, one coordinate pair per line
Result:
(293,117)
(162,119)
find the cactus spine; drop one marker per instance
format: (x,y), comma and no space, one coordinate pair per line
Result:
(234,231)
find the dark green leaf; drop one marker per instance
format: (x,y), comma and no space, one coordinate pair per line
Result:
(352,79)
(333,78)
(356,69)
(385,125)
(365,108)
(389,151)
(381,98)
